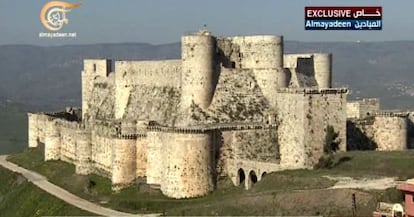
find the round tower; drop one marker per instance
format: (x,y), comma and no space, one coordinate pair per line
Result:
(187,165)
(52,141)
(261,51)
(323,69)
(263,54)
(390,131)
(198,69)
(123,162)
(83,153)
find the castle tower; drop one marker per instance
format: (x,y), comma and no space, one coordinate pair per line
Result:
(390,131)
(83,152)
(264,55)
(52,141)
(187,164)
(33,130)
(323,69)
(91,69)
(199,66)
(123,162)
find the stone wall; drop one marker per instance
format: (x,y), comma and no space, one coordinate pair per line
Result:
(263,55)
(246,168)
(383,131)
(83,153)
(410,130)
(134,75)
(160,104)
(361,109)
(141,156)
(102,154)
(92,69)
(200,70)
(99,102)
(256,145)
(360,134)
(123,162)
(237,99)
(304,118)
(310,68)
(154,158)
(187,169)
(52,140)
(390,131)
(33,130)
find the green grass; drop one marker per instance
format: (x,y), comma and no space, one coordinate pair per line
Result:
(278,193)
(13,129)
(373,163)
(18,197)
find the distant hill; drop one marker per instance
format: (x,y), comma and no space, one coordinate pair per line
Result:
(49,77)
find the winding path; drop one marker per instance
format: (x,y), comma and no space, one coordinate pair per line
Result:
(41,182)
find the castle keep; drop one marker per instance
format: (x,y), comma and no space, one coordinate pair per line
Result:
(233,106)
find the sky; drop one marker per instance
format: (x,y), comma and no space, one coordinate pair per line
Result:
(164,21)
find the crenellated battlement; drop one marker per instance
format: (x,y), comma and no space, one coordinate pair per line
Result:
(131,136)
(209,128)
(238,98)
(314,91)
(392,114)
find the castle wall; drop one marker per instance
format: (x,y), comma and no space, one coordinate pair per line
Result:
(101,159)
(52,140)
(158,104)
(123,162)
(362,108)
(141,156)
(236,99)
(247,166)
(410,130)
(33,130)
(260,52)
(317,66)
(199,70)
(323,69)
(390,132)
(92,68)
(36,129)
(130,74)
(254,150)
(304,117)
(259,145)
(264,55)
(83,153)
(155,158)
(68,139)
(97,96)
(360,134)
(187,169)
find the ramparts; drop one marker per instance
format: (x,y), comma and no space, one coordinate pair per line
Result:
(228,106)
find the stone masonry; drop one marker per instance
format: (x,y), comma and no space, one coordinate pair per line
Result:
(234,107)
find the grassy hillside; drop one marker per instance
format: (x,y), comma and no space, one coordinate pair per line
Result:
(296,192)
(18,198)
(13,128)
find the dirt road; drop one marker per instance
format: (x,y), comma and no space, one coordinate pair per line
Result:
(41,182)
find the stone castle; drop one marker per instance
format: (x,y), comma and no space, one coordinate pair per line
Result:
(234,107)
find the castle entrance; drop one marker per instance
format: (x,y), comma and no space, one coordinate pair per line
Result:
(253,177)
(241,176)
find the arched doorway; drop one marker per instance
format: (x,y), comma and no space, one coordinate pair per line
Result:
(241,175)
(263,175)
(253,177)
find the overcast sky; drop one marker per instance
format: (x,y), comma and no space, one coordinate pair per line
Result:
(164,21)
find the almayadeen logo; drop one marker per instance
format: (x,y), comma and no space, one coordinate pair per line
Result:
(53,18)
